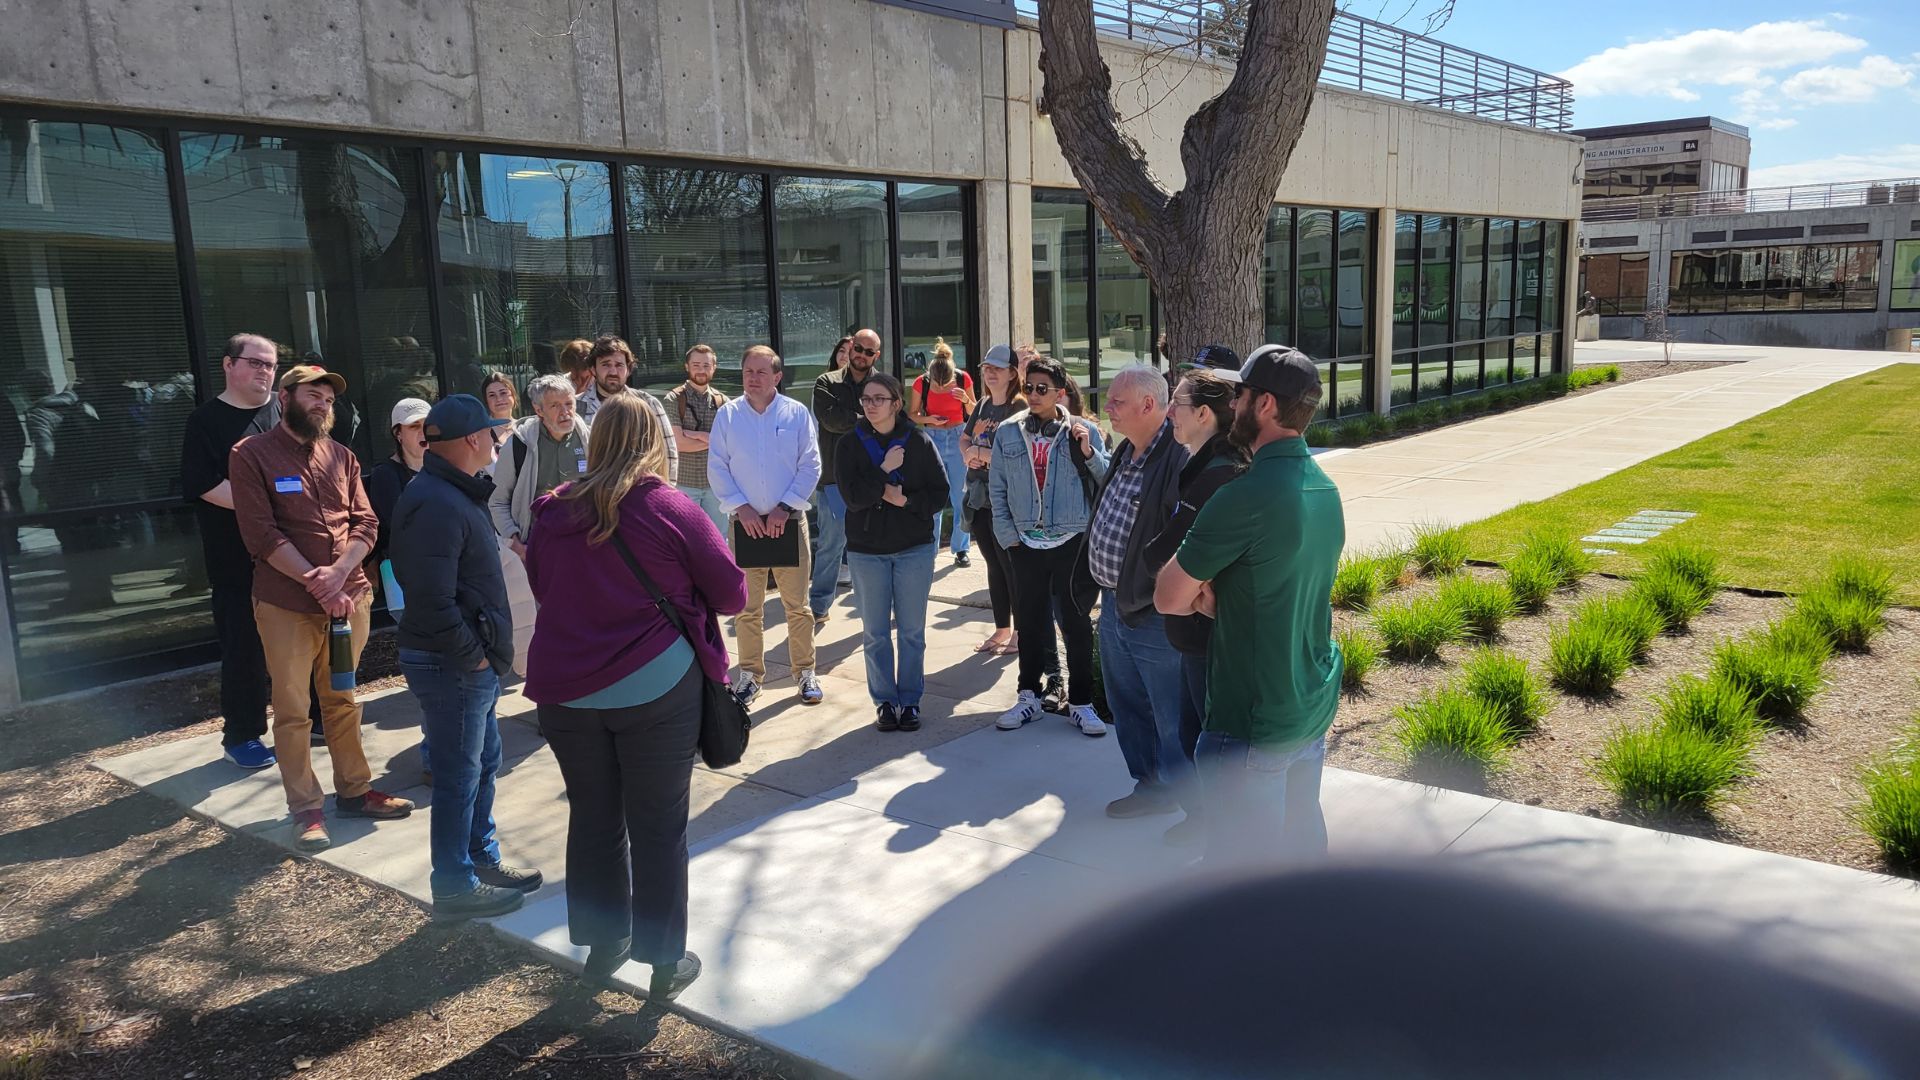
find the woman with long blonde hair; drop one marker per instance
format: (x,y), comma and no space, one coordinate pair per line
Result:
(619,688)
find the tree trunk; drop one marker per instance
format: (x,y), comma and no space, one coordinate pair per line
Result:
(1200,247)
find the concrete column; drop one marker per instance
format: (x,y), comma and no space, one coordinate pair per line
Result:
(1382,313)
(1020,263)
(1569,292)
(995,220)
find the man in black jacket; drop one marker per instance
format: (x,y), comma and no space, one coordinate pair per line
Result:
(836,407)
(456,640)
(1139,668)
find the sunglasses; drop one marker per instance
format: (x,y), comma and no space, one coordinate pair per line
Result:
(1041,388)
(871,401)
(864,351)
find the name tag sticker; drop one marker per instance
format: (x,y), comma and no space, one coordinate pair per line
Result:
(287,485)
(580,466)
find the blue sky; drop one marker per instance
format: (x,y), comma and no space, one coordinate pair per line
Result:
(1831,90)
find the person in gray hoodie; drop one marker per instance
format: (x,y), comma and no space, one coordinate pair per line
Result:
(545,450)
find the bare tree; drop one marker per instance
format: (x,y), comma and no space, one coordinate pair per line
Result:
(1200,246)
(1657,327)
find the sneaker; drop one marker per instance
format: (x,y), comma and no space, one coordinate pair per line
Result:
(1188,833)
(1054,697)
(252,754)
(1086,720)
(910,718)
(502,876)
(310,830)
(885,718)
(810,692)
(373,804)
(846,576)
(667,982)
(1138,805)
(962,559)
(483,901)
(603,961)
(745,689)
(1025,711)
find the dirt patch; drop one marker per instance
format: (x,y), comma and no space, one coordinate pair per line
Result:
(1637,370)
(1805,788)
(140,942)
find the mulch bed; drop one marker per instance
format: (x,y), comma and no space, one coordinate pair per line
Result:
(1805,788)
(1634,371)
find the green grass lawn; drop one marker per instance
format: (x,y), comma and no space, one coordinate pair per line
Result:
(1835,472)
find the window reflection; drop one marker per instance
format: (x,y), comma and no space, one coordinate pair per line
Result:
(696,270)
(934,301)
(833,269)
(1060,277)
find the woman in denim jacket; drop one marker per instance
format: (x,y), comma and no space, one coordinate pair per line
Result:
(1046,466)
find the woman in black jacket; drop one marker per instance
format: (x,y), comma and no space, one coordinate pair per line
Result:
(1202,413)
(894,482)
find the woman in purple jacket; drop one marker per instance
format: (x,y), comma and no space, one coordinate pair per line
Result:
(619,689)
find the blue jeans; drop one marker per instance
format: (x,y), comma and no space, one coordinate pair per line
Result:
(830,544)
(456,714)
(1263,806)
(708,501)
(1140,670)
(947,441)
(890,592)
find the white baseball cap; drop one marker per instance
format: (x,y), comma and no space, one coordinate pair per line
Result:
(409,410)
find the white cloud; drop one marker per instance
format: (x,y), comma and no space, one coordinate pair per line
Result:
(1672,67)
(1887,163)
(1854,85)
(1771,123)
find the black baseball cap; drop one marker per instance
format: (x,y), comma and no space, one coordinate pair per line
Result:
(1214,358)
(457,416)
(1281,371)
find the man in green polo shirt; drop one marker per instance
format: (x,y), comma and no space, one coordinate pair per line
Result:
(1260,559)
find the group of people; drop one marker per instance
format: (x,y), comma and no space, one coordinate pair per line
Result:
(631,517)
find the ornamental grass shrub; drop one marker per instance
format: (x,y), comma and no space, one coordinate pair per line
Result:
(1890,813)
(1360,654)
(1780,669)
(1531,581)
(1451,734)
(1587,656)
(1670,768)
(1690,561)
(1629,615)
(1483,605)
(1559,552)
(1356,583)
(1714,705)
(1675,596)
(1508,685)
(1415,629)
(1848,621)
(1856,576)
(1438,549)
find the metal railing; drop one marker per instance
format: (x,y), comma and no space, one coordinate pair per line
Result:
(1361,55)
(1904,189)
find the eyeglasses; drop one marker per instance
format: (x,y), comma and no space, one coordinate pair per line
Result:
(871,400)
(1042,388)
(1182,403)
(864,351)
(257,363)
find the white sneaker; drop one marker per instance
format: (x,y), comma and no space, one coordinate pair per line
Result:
(1025,711)
(1088,721)
(745,689)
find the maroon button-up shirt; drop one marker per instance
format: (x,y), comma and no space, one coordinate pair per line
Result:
(305,494)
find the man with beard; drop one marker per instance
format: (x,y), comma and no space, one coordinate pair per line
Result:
(836,408)
(692,405)
(1260,559)
(306,520)
(613,363)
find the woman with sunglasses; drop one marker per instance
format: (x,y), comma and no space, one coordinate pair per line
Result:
(894,483)
(1202,415)
(1046,465)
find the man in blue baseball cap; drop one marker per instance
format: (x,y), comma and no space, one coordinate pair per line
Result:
(456,640)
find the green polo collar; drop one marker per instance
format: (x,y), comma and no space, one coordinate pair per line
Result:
(1279,448)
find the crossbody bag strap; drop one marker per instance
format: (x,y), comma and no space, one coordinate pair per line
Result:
(659,600)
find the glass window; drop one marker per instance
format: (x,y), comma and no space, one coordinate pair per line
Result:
(1433,373)
(1618,282)
(1526,318)
(1277,275)
(934,302)
(1406,268)
(1435,295)
(1126,318)
(1698,282)
(1784,278)
(1501,294)
(321,245)
(1526,353)
(99,384)
(1356,284)
(833,270)
(696,270)
(1469,291)
(526,261)
(1495,366)
(1315,289)
(1860,269)
(1060,279)
(1467,369)
(1825,288)
(1906,275)
(1550,268)
(1748,280)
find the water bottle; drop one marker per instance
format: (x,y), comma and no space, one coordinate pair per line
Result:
(340,654)
(396,600)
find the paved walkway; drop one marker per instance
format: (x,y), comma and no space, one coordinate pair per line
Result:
(853,890)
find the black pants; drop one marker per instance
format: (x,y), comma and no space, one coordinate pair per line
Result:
(244,689)
(627,773)
(1045,583)
(999,568)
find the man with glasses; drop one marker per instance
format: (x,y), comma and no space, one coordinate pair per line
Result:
(836,407)
(763,461)
(613,364)
(1260,560)
(246,406)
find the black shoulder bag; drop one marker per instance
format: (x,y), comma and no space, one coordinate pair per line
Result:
(723,720)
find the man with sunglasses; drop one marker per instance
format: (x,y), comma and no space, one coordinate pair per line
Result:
(247,406)
(836,409)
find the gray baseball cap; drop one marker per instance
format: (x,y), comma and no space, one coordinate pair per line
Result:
(1281,371)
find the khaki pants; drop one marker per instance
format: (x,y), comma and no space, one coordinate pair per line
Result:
(792,581)
(296,646)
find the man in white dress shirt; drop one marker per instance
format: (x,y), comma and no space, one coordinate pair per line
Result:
(763,462)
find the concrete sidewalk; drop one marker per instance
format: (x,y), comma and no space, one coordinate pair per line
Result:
(853,891)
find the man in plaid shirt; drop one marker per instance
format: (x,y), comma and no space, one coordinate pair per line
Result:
(1140,669)
(690,409)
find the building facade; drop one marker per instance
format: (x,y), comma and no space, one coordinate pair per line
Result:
(1665,157)
(414,192)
